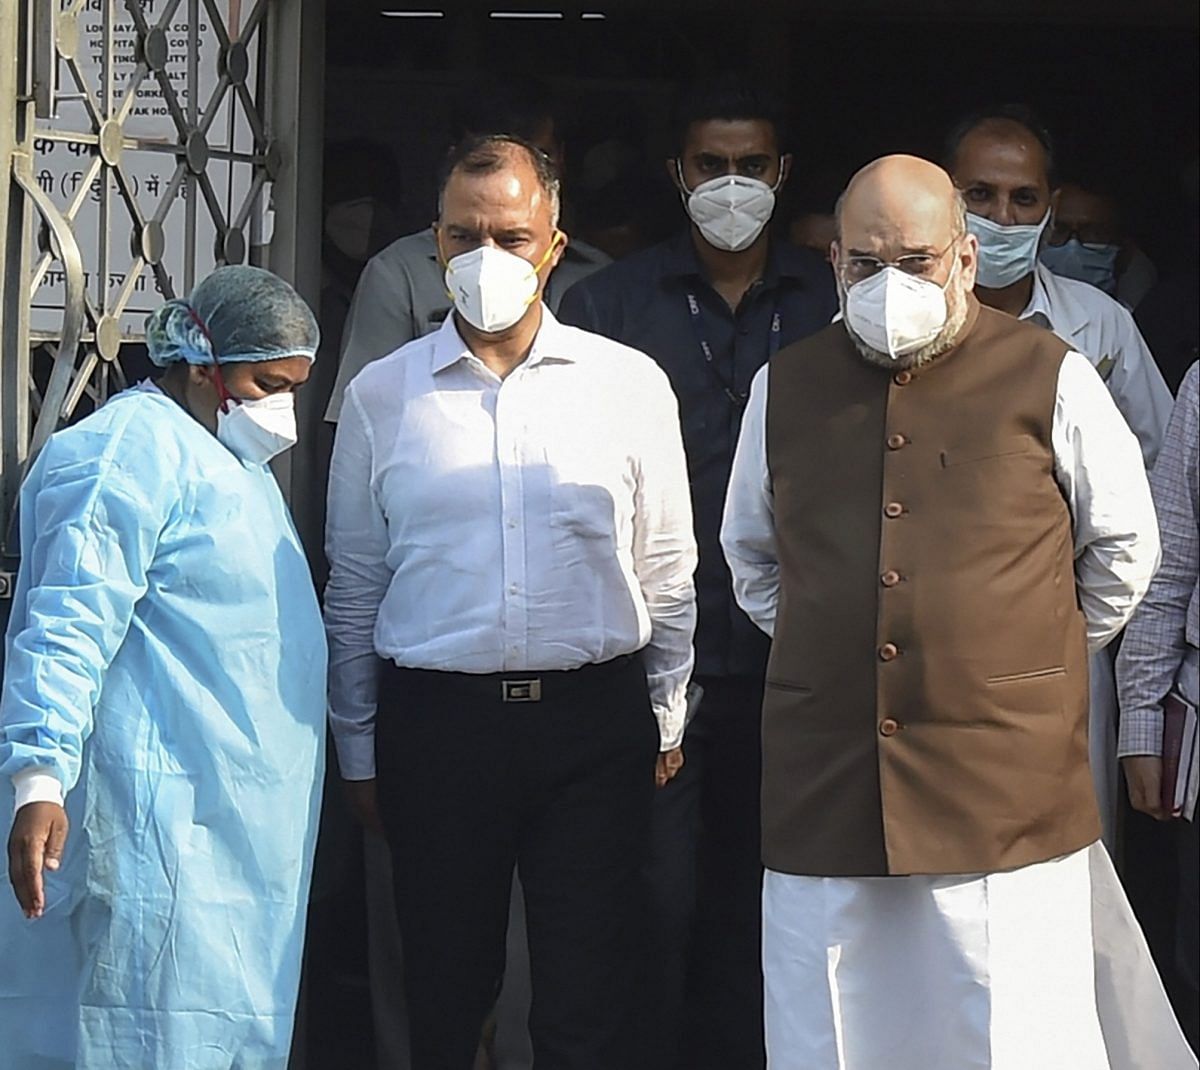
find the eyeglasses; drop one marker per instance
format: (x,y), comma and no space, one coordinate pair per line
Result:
(922,265)
(1085,233)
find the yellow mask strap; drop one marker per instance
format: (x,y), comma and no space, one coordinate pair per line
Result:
(555,242)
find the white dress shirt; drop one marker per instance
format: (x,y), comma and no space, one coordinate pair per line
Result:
(1096,464)
(535,523)
(1103,330)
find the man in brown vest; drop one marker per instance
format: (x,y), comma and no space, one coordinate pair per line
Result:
(935,510)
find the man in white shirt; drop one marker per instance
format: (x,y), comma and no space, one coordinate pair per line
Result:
(1003,163)
(935,510)
(510,532)
(400,294)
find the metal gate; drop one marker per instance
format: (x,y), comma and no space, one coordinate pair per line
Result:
(145,142)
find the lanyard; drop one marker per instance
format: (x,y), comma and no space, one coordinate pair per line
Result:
(773,339)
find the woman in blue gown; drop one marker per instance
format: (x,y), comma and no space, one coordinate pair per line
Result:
(162,721)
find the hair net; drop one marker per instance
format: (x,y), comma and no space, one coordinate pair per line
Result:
(237,313)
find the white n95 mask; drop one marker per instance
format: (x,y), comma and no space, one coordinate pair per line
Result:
(896,313)
(1006,254)
(730,210)
(260,429)
(492,288)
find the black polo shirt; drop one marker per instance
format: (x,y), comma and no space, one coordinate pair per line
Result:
(646,301)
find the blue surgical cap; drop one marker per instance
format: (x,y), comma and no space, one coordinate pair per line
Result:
(237,313)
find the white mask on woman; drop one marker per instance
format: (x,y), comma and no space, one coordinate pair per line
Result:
(259,429)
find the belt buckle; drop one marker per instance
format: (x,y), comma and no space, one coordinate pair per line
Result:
(521,690)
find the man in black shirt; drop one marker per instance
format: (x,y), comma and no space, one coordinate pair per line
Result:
(711,305)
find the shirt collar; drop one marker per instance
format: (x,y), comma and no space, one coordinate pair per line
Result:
(1055,304)
(553,343)
(682,262)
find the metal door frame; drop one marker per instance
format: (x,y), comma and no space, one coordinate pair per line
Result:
(38,39)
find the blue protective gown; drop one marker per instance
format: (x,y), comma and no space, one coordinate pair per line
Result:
(166,659)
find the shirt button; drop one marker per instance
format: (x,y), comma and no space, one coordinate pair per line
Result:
(896,442)
(892,510)
(890,578)
(889,652)
(889,726)
(902,378)
(512,524)
(513,588)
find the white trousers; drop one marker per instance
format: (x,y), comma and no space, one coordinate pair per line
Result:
(1102,742)
(994,971)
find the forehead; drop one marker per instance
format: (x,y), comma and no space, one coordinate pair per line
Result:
(510,194)
(1078,204)
(731,138)
(1005,155)
(293,370)
(895,221)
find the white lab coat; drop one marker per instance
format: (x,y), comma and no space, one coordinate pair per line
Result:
(1103,330)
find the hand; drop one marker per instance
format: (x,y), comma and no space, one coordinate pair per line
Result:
(360,794)
(1143,778)
(669,763)
(39,833)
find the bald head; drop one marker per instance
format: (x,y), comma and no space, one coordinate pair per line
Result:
(897,206)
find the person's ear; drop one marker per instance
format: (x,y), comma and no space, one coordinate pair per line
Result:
(968,258)
(561,248)
(1055,196)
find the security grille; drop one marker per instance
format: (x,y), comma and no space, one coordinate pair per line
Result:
(141,157)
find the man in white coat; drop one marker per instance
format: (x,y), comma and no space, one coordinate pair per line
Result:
(936,511)
(1003,163)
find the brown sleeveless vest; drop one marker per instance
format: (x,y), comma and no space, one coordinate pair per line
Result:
(927,694)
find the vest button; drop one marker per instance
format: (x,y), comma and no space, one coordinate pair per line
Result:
(902,378)
(896,442)
(888,652)
(890,578)
(889,726)
(892,510)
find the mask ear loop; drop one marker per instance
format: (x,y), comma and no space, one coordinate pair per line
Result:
(223,394)
(684,192)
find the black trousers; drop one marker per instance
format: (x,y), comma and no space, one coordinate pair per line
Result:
(703,1006)
(469,786)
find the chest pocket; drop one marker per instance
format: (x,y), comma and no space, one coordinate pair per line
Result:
(995,449)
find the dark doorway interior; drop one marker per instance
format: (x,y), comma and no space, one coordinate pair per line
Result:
(1116,82)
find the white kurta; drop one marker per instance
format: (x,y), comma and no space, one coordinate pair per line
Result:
(1040,968)
(1102,329)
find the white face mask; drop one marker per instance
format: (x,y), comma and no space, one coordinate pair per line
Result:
(731,210)
(492,288)
(257,430)
(896,313)
(1006,254)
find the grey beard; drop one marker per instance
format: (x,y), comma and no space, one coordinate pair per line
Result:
(946,338)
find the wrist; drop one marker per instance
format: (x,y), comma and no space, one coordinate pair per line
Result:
(36,784)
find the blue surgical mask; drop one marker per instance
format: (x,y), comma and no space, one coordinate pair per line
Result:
(1095,263)
(1006,253)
